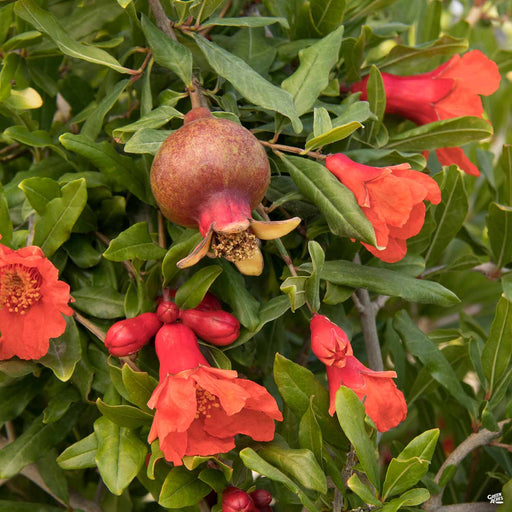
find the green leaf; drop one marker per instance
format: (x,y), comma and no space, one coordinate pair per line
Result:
(244,21)
(299,464)
(334,200)
(499,227)
(192,291)
(313,282)
(154,119)
(37,439)
(385,282)
(350,412)
(45,22)
(99,301)
(406,470)
(362,490)
(406,59)
(230,285)
(376,93)
(310,435)
(121,170)
(16,396)
(408,499)
(55,225)
(178,250)
(94,122)
(442,134)
(134,242)
(16,506)
(5,218)
(422,347)
(59,404)
(312,75)
(24,99)
(182,488)
(64,352)
(321,121)
(139,386)
(146,140)
(297,385)
(326,16)
(53,476)
(124,415)
(333,135)
(449,214)
(295,288)
(256,463)
(119,456)
(35,139)
(497,350)
(39,192)
(504,170)
(167,52)
(248,83)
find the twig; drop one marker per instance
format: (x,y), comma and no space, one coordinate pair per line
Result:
(473,441)
(162,21)
(292,149)
(92,328)
(9,430)
(162,242)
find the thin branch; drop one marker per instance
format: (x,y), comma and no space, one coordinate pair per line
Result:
(162,21)
(9,430)
(293,149)
(162,242)
(473,441)
(92,328)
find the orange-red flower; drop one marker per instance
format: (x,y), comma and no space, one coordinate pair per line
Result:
(451,90)
(391,198)
(32,302)
(383,401)
(200,409)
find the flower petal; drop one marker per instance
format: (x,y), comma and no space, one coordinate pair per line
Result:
(199,251)
(273,229)
(449,156)
(252,266)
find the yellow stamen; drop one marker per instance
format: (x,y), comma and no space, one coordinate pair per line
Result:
(205,401)
(234,246)
(20,288)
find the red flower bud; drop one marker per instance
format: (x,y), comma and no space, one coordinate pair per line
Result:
(236,500)
(217,327)
(128,336)
(209,303)
(261,498)
(177,349)
(167,312)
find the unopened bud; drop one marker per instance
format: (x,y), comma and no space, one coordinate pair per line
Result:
(217,327)
(209,303)
(128,336)
(261,498)
(167,312)
(329,342)
(236,500)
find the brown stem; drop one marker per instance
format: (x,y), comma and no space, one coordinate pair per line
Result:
(92,328)
(292,149)
(162,242)
(162,21)
(196,96)
(473,441)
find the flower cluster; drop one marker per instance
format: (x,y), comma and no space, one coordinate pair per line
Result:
(383,401)
(451,90)
(237,500)
(32,302)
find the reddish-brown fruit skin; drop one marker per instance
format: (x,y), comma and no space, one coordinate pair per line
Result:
(261,497)
(128,336)
(205,158)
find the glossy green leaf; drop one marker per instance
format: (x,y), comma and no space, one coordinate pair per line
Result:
(449,214)
(321,121)
(350,413)
(442,134)
(53,475)
(81,252)
(5,219)
(333,135)
(313,283)
(326,16)
(299,464)
(244,21)
(152,120)
(124,415)
(34,442)
(256,463)
(408,499)
(121,170)
(310,435)
(64,352)
(35,139)
(99,301)
(139,386)
(297,385)
(248,83)
(178,250)
(295,288)
(60,403)
(497,350)
(45,22)
(385,282)
(192,291)
(55,225)
(335,201)
(146,140)
(363,490)
(422,347)
(312,75)
(119,455)
(134,242)
(182,488)
(39,192)
(504,171)
(16,396)
(6,18)
(406,470)
(499,227)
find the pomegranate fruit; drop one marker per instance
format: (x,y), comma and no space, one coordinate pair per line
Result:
(210,174)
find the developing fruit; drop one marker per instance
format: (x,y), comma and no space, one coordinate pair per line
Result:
(210,174)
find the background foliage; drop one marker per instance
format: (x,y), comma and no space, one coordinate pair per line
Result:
(88,92)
